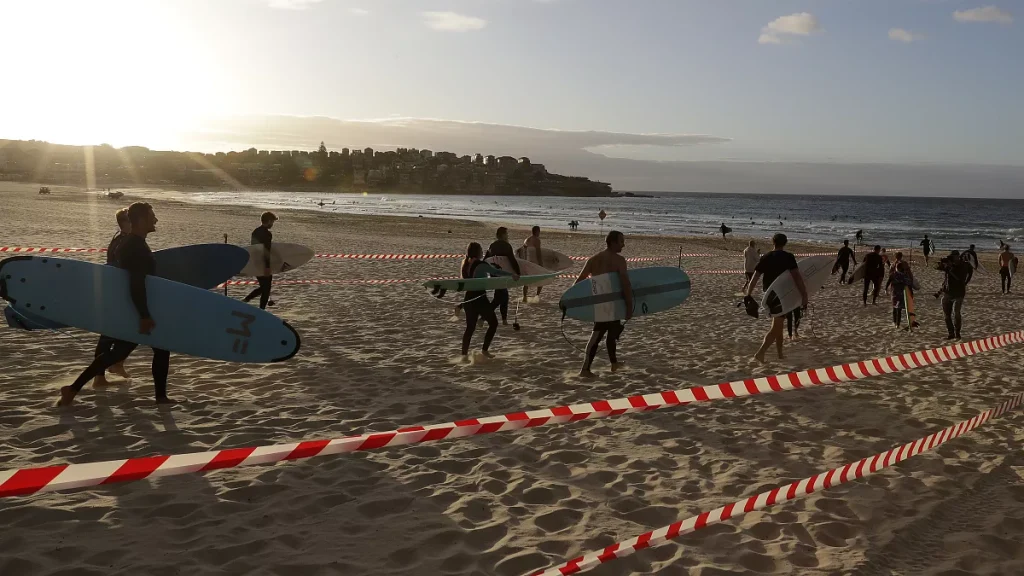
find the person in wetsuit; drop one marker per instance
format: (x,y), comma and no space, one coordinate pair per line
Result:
(772,265)
(954,290)
(1005,278)
(262,235)
(475,302)
(501,247)
(134,256)
(874,273)
(106,343)
(970,256)
(607,261)
(533,254)
(927,247)
(900,279)
(843,259)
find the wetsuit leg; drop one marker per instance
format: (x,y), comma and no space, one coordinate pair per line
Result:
(867,286)
(501,301)
(846,268)
(265,283)
(789,324)
(118,352)
(102,347)
(161,367)
(947,312)
(600,329)
(878,286)
(472,315)
(492,329)
(896,315)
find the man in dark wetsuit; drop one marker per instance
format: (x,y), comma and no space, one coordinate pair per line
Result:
(501,247)
(134,256)
(607,262)
(927,247)
(106,343)
(970,257)
(843,259)
(262,235)
(954,290)
(772,265)
(874,273)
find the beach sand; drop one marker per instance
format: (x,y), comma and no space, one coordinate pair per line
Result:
(375,358)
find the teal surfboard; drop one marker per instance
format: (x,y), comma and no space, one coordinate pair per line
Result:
(199,265)
(600,298)
(491,283)
(189,320)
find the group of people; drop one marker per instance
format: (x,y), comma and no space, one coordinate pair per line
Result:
(129,250)
(477,307)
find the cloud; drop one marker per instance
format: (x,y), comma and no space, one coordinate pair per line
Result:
(292,4)
(799,24)
(452,21)
(359,11)
(986,14)
(905,36)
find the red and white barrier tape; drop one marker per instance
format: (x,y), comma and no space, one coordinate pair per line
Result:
(390,256)
(821,481)
(373,282)
(26,249)
(69,476)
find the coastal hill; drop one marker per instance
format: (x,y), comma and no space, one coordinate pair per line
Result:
(403,170)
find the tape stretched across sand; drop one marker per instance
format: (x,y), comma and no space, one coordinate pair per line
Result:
(71,476)
(818,482)
(374,282)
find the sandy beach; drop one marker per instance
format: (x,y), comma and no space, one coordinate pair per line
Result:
(375,358)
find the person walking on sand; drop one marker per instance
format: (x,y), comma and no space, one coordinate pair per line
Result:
(927,247)
(772,265)
(262,235)
(954,290)
(134,256)
(533,254)
(475,302)
(1005,259)
(607,261)
(751,256)
(970,256)
(892,270)
(843,260)
(724,230)
(901,280)
(501,247)
(874,273)
(105,342)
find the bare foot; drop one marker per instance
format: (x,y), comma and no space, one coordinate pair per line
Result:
(464,359)
(486,354)
(587,374)
(119,370)
(616,366)
(100,381)
(67,396)
(759,358)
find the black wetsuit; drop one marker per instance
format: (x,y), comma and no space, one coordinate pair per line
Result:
(503,248)
(971,258)
(106,343)
(874,273)
(262,235)
(845,254)
(134,256)
(476,305)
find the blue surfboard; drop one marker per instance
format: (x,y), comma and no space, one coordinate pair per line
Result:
(199,265)
(189,320)
(600,298)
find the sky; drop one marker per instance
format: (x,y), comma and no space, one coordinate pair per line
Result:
(835,81)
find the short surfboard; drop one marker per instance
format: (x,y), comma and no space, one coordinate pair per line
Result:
(284,257)
(550,259)
(782,297)
(526,267)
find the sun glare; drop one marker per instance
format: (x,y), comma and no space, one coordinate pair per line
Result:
(115,71)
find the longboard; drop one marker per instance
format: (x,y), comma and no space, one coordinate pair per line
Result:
(600,298)
(201,265)
(526,267)
(189,320)
(284,257)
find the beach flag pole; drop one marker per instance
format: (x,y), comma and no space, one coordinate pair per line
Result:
(225,284)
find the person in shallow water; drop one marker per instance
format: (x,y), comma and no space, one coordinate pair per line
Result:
(475,302)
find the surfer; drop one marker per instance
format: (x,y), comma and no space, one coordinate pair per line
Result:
(927,247)
(901,281)
(970,257)
(1005,258)
(751,256)
(475,302)
(954,290)
(772,265)
(501,247)
(134,256)
(892,270)
(262,235)
(106,343)
(533,254)
(725,230)
(843,260)
(607,261)
(874,273)
(859,237)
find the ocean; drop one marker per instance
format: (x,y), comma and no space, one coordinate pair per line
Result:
(952,223)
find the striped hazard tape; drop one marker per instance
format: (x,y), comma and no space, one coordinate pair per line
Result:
(823,481)
(70,476)
(25,249)
(383,281)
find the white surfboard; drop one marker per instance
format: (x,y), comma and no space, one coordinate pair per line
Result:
(550,259)
(526,268)
(782,297)
(284,257)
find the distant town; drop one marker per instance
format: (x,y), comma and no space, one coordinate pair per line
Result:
(403,170)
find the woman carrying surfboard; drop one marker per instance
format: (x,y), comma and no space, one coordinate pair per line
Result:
(475,303)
